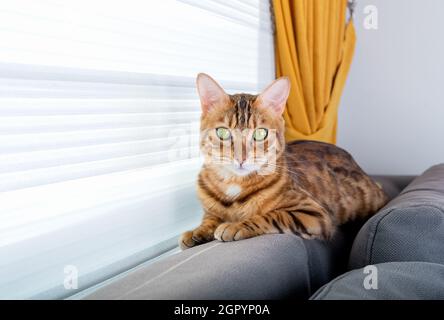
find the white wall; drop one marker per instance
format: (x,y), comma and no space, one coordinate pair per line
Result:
(392,111)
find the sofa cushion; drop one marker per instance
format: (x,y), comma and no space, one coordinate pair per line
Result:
(394,280)
(408,228)
(267,267)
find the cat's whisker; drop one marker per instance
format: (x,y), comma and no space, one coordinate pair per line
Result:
(296,173)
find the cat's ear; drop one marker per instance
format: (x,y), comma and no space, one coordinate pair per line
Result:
(210,92)
(275,95)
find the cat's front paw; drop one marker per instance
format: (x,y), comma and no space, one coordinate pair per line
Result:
(186,240)
(232,232)
(193,238)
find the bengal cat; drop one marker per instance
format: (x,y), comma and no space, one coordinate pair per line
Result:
(252,183)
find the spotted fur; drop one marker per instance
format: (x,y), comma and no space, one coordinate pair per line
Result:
(313,188)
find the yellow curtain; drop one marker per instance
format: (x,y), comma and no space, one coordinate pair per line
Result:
(314,48)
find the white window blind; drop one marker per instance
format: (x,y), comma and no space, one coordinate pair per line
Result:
(99,131)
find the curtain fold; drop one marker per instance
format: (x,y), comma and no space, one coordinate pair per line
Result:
(314,48)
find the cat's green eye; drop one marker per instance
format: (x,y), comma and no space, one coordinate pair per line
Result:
(260,134)
(223,133)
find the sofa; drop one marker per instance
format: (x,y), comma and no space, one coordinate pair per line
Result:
(396,254)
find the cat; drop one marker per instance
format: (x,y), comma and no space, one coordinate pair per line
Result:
(253,183)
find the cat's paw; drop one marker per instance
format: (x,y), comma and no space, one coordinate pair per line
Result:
(232,232)
(193,238)
(186,240)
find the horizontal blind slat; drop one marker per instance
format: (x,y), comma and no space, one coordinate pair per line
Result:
(38,124)
(30,178)
(22,161)
(112,186)
(15,143)
(66,106)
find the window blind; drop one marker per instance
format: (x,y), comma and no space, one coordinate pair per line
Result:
(99,127)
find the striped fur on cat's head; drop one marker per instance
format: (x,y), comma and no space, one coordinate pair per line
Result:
(242,134)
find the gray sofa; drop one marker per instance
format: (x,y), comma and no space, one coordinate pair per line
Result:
(405,241)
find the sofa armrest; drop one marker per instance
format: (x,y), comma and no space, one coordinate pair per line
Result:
(408,228)
(266,267)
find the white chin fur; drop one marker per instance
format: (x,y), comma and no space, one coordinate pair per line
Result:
(242,172)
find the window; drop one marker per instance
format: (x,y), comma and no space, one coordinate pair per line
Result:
(99,128)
